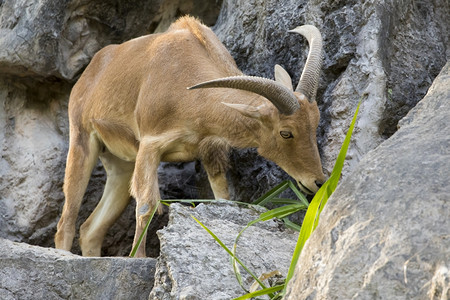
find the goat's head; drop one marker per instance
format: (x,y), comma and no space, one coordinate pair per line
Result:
(288,135)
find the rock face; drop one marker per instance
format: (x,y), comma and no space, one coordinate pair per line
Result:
(193,266)
(384,234)
(32,158)
(30,272)
(386,53)
(44,46)
(57,39)
(378,50)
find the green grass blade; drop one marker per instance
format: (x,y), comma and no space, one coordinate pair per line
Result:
(298,193)
(230,252)
(272,193)
(279,212)
(305,232)
(311,219)
(141,237)
(291,225)
(339,164)
(282,201)
(237,272)
(262,292)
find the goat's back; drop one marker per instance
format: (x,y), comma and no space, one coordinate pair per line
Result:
(149,75)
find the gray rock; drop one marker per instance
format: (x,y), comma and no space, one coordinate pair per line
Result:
(387,52)
(30,272)
(32,159)
(193,266)
(54,38)
(44,45)
(385,232)
(381,51)
(58,38)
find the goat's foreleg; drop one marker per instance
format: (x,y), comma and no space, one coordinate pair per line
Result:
(214,156)
(218,182)
(145,189)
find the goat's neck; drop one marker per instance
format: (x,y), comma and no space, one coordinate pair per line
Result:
(241,131)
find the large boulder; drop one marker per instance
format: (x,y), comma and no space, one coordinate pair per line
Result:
(31,272)
(384,233)
(192,265)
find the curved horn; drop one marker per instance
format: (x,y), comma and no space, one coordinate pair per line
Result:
(283,99)
(309,81)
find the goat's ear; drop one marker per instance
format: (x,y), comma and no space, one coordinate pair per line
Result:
(255,112)
(282,77)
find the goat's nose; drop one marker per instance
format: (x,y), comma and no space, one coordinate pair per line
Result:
(318,183)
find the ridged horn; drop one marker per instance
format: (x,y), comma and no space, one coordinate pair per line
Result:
(283,99)
(309,81)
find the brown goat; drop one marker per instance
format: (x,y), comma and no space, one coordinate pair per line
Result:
(132,109)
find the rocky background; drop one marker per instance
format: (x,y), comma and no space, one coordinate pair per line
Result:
(386,53)
(44,47)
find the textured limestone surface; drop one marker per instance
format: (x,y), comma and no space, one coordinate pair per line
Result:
(386,53)
(385,233)
(57,39)
(192,265)
(31,272)
(44,46)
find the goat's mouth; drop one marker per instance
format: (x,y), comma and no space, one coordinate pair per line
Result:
(305,189)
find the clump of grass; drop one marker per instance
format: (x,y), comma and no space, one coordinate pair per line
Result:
(309,224)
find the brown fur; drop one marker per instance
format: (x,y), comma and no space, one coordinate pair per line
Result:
(131,108)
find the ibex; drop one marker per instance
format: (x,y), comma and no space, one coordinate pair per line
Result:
(179,96)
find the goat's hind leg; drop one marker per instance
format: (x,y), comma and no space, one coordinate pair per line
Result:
(115,199)
(81,159)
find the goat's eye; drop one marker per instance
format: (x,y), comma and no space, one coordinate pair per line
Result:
(286,134)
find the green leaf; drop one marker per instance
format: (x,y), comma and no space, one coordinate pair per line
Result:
(230,252)
(272,193)
(285,201)
(291,224)
(317,204)
(298,194)
(279,212)
(262,292)
(338,165)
